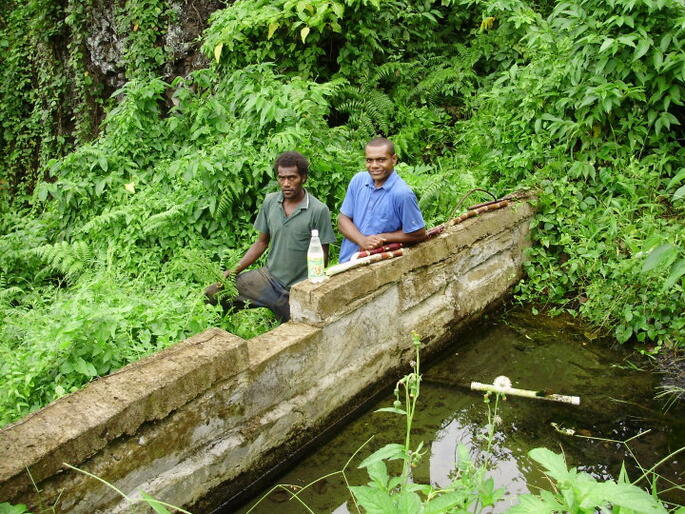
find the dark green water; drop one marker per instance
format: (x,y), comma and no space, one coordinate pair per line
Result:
(535,353)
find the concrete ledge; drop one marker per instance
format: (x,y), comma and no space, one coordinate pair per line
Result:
(213,412)
(320,304)
(77,426)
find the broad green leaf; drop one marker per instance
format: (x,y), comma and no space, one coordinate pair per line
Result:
(338,9)
(408,503)
(394,482)
(373,500)
(488,494)
(679,194)
(658,59)
(677,271)
(661,255)
(392,409)
(589,99)
(422,488)
(85,368)
(623,333)
(631,497)
(390,451)
(8,508)
(217,51)
(606,44)
(378,472)
(529,504)
(273,27)
(590,494)
(641,48)
(304,33)
(554,463)
(665,42)
(102,160)
(445,502)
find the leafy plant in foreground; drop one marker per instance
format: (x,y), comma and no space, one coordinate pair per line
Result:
(471,490)
(578,492)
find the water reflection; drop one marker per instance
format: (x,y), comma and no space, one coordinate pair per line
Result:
(616,404)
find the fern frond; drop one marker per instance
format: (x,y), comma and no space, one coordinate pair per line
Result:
(392,71)
(98,223)
(430,194)
(368,109)
(224,205)
(7,293)
(161,218)
(69,259)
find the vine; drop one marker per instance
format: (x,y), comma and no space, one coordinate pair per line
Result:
(47,108)
(145,22)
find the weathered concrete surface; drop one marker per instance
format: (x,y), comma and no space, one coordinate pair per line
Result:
(216,408)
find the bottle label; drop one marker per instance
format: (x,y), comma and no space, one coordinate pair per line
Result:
(315,267)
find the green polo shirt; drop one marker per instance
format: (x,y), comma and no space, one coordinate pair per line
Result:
(289,236)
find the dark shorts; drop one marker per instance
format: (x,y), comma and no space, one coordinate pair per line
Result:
(256,288)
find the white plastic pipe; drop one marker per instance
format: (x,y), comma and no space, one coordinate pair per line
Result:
(526,393)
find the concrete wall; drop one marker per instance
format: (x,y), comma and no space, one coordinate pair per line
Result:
(216,408)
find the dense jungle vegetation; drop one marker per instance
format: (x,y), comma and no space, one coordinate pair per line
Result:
(109,232)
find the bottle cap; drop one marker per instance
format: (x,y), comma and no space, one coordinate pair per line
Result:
(315,232)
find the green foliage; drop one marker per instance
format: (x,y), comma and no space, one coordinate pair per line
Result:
(580,100)
(6,508)
(140,222)
(578,492)
(51,100)
(584,118)
(53,345)
(145,22)
(34,88)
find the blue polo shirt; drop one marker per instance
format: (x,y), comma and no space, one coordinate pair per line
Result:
(375,210)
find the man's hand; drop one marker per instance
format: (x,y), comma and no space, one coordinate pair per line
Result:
(229,276)
(371,242)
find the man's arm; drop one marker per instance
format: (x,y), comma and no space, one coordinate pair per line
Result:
(410,218)
(400,237)
(351,232)
(253,253)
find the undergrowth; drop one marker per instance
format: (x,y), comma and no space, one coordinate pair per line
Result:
(104,260)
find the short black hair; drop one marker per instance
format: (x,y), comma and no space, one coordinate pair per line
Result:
(382,141)
(289,159)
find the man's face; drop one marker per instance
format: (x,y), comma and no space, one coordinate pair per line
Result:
(379,163)
(291,182)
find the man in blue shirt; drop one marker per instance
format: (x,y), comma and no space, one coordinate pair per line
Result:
(379,207)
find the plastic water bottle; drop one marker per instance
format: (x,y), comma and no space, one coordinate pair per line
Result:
(315,271)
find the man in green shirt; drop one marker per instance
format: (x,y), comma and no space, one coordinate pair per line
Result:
(285,222)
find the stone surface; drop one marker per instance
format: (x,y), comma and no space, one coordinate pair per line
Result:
(79,425)
(216,410)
